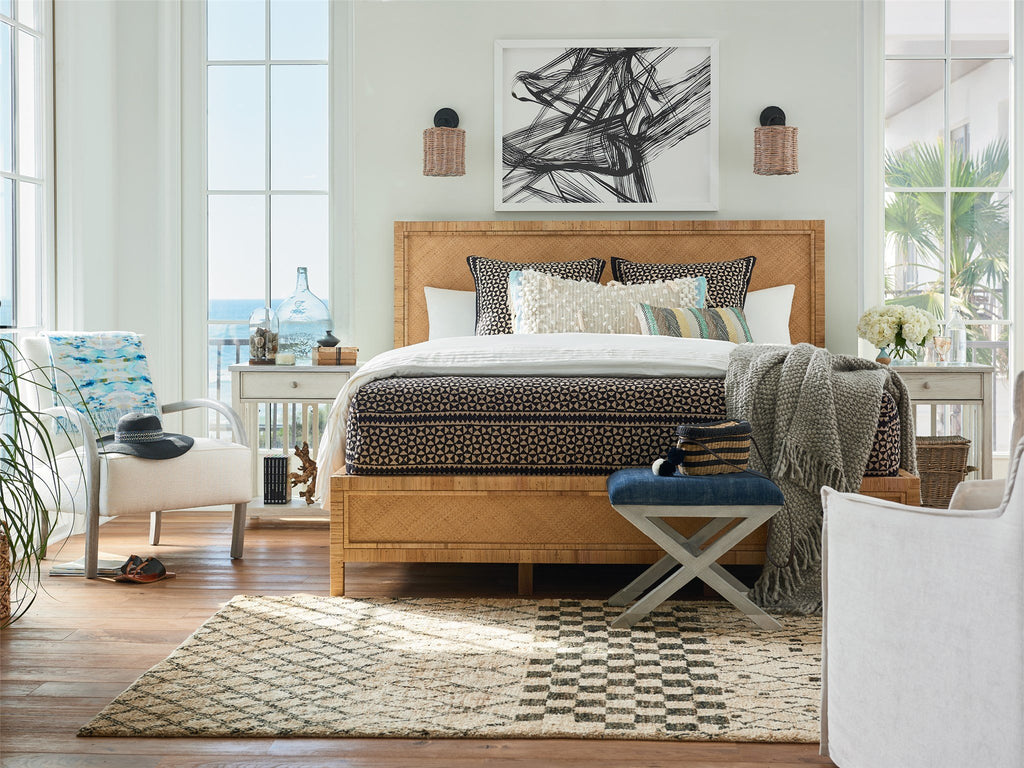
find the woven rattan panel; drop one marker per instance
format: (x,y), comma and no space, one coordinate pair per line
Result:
(434,254)
(536,520)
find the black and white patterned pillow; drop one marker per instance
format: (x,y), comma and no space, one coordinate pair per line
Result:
(491,278)
(727,280)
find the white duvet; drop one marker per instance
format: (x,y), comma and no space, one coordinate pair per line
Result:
(551,354)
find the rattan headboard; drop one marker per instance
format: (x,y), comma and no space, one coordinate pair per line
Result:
(433,253)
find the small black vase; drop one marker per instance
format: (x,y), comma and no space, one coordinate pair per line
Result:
(329,340)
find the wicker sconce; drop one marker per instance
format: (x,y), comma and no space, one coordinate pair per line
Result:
(775,147)
(444,146)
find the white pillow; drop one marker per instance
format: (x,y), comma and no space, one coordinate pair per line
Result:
(541,303)
(450,313)
(767,312)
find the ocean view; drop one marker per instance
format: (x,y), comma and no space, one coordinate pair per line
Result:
(228,342)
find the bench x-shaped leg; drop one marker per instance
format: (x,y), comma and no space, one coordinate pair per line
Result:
(693,562)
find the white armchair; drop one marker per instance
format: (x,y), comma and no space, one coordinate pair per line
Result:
(923,644)
(211,473)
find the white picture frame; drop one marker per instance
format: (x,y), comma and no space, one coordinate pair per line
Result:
(583,154)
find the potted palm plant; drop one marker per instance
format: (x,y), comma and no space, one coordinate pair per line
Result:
(30,490)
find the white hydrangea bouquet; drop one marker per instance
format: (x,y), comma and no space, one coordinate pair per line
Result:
(895,327)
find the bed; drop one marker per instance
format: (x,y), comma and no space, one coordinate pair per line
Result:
(385,513)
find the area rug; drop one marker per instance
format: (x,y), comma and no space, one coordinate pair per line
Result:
(309,666)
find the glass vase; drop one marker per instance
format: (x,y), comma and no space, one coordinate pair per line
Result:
(303,319)
(263,336)
(904,352)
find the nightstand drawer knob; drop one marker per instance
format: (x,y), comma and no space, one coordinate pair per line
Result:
(925,385)
(295,384)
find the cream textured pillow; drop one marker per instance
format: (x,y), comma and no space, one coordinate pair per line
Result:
(542,303)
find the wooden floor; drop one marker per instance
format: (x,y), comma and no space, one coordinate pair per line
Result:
(83,642)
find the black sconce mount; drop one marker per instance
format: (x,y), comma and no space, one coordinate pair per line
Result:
(446,117)
(773,116)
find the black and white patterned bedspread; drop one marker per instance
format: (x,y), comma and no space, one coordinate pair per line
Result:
(541,425)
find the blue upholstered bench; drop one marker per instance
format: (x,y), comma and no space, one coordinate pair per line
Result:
(645,499)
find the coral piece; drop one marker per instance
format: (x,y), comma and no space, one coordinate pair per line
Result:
(306,474)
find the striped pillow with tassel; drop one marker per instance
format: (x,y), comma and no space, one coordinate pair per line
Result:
(721,323)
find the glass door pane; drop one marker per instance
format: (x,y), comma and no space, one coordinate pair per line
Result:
(30,253)
(7,254)
(236,256)
(6,98)
(236,30)
(979,255)
(914,250)
(299,30)
(979,122)
(298,127)
(980,27)
(914,118)
(29,109)
(299,235)
(236,130)
(915,27)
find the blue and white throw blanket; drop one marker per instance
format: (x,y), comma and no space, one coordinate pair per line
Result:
(106,371)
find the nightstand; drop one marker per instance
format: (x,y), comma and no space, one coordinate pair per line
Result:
(304,387)
(936,385)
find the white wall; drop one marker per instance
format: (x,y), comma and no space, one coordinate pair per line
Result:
(118,101)
(412,58)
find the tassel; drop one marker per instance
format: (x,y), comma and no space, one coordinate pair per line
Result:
(663,468)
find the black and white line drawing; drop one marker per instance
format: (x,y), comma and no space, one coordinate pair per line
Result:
(605,127)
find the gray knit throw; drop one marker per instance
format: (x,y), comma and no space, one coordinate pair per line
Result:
(813,417)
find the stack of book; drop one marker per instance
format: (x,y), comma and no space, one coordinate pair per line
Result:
(335,355)
(276,488)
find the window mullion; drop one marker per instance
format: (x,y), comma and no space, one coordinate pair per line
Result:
(266,157)
(15,233)
(947,201)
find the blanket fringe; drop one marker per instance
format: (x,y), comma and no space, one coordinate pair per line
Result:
(807,470)
(776,587)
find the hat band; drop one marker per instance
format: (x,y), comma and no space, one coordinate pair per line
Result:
(140,436)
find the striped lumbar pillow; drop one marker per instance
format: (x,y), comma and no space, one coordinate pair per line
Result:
(721,323)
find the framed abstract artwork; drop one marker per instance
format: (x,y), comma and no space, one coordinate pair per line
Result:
(606,125)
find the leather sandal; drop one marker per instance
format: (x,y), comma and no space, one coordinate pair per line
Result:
(137,570)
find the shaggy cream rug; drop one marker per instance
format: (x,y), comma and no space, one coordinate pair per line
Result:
(321,666)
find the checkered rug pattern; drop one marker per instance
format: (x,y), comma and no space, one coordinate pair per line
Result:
(312,666)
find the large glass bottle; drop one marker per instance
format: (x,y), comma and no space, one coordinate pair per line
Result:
(303,319)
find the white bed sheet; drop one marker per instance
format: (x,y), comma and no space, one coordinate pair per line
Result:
(551,354)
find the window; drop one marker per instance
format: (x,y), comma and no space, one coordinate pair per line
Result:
(267,171)
(948,176)
(24,160)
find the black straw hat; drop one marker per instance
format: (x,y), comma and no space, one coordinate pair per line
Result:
(142,435)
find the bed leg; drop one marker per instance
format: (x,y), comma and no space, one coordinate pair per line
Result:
(525,584)
(338,580)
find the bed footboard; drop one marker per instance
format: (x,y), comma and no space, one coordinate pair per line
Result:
(508,519)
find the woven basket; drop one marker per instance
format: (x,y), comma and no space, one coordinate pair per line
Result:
(5,580)
(714,448)
(775,150)
(942,464)
(444,152)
